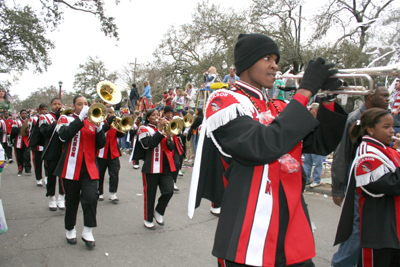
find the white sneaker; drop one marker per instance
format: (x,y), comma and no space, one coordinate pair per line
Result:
(52,203)
(39,183)
(215,211)
(149,225)
(61,202)
(113,197)
(176,189)
(45,180)
(101,198)
(314,184)
(180,173)
(136,167)
(159,218)
(191,160)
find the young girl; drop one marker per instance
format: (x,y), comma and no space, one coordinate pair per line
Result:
(180,102)
(376,175)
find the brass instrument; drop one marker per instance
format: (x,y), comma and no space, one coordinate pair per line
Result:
(97,113)
(67,111)
(123,125)
(175,126)
(362,73)
(24,127)
(108,92)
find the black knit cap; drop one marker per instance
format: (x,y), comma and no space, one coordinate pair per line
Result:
(168,109)
(250,48)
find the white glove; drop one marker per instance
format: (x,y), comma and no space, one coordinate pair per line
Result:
(98,128)
(84,112)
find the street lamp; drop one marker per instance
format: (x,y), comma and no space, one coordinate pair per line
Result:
(60,83)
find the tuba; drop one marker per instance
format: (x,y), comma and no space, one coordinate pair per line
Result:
(123,125)
(108,92)
(97,113)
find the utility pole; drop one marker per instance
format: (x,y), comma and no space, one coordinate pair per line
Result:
(298,38)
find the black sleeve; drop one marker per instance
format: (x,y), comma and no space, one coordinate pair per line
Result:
(150,142)
(327,136)
(66,133)
(252,143)
(47,130)
(14,132)
(388,184)
(120,135)
(100,139)
(106,127)
(171,145)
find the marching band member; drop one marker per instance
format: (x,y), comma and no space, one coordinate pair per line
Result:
(3,134)
(264,220)
(79,170)
(21,144)
(51,155)
(35,143)
(7,147)
(375,177)
(179,147)
(160,161)
(108,157)
(133,135)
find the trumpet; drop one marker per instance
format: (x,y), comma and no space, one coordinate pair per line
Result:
(123,125)
(97,113)
(67,111)
(361,73)
(394,138)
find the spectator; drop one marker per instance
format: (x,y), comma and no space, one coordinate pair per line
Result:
(313,159)
(179,102)
(231,78)
(396,106)
(147,91)
(190,97)
(195,128)
(134,96)
(169,97)
(209,77)
(278,93)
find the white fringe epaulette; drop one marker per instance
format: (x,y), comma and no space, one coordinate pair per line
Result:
(44,121)
(59,125)
(226,114)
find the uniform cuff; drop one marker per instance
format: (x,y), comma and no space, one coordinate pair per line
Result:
(302,99)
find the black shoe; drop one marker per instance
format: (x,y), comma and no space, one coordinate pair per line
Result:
(19,173)
(10,161)
(71,241)
(28,172)
(89,244)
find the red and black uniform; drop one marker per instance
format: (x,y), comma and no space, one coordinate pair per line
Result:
(375,174)
(108,157)
(9,122)
(3,134)
(52,151)
(133,137)
(78,168)
(36,149)
(21,146)
(264,219)
(160,162)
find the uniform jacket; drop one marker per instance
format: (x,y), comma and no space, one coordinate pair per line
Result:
(80,143)
(53,145)
(375,174)
(15,131)
(32,121)
(9,122)
(158,153)
(111,146)
(262,202)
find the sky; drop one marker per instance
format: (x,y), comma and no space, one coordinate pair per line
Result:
(141,24)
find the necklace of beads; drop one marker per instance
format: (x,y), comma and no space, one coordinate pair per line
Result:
(254,103)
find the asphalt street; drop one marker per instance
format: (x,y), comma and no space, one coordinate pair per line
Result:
(36,235)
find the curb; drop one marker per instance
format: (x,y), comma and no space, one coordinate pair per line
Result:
(324,189)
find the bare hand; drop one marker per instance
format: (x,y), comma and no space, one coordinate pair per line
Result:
(338,200)
(396,112)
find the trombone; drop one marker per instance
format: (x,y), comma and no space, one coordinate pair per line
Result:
(362,73)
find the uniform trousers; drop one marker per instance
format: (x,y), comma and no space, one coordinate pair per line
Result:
(113,166)
(52,179)
(150,182)
(84,190)
(37,164)
(7,150)
(23,158)
(388,257)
